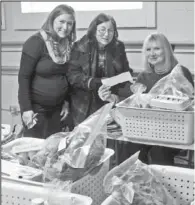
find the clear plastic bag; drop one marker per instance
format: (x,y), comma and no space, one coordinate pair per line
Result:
(139,99)
(50,148)
(139,185)
(175,84)
(85,145)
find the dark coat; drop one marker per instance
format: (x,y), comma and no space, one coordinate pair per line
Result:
(83,65)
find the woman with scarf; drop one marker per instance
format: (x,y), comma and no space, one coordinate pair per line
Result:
(97,55)
(43,86)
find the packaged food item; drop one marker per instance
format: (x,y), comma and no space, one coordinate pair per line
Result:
(171,102)
(138,185)
(175,84)
(82,149)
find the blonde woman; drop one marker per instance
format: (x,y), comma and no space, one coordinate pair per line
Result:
(159,61)
(43,87)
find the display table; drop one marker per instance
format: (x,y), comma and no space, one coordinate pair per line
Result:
(177,146)
(118,136)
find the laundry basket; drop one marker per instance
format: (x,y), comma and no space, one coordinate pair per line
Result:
(16,192)
(166,126)
(179,182)
(90,185)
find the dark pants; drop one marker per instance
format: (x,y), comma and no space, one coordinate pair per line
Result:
(158,155)
(127,149)
(48,123)
(148,154)
(124,149)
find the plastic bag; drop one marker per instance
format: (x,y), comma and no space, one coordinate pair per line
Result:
(175,84)
(50,148)
(17,132)
(81,150)
(138,99)
(138,185)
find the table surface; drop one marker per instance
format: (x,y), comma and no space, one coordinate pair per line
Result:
(118,136)
(186,147)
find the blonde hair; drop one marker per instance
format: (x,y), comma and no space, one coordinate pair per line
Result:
(170,60)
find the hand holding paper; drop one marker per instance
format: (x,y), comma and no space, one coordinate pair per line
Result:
(123,77)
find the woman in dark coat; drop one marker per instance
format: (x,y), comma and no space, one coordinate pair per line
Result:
(97,55)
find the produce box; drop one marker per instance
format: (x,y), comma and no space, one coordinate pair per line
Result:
(157,125)
(89,185)
(15,191)
(179,182)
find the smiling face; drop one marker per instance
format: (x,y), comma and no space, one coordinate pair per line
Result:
(155,53)
(104,33)
(63,25)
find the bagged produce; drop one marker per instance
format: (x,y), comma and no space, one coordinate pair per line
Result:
(67,156)
(81,150)
(137,184)
(174,84)
(139,99)
(50,148)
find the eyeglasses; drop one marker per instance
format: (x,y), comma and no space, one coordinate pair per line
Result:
(103,31)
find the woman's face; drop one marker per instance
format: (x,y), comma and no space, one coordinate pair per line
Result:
(63,25)
(105,33)
(155,53)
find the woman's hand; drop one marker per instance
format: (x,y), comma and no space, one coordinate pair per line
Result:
(65,110)
(106,95)
(104,92)
(28,117)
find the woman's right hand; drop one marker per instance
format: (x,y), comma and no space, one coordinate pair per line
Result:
(27,117)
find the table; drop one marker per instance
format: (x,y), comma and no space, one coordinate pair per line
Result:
(127,139)
(178,146)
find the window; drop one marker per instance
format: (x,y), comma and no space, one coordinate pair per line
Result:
(39,7)
(31,15)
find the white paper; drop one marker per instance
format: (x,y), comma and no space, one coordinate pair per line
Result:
(123,77)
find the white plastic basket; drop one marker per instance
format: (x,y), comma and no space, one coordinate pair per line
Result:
(90,185)
(179,182)
(165,126)
(16,192)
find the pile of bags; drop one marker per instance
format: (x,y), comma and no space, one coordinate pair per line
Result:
(67,156)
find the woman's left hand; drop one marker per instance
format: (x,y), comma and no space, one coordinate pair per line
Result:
(65,110)
(104,92)
(106,95)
